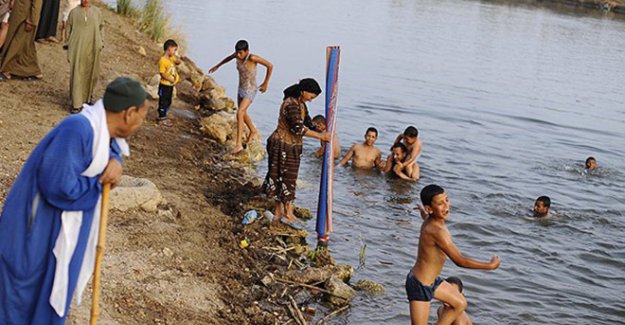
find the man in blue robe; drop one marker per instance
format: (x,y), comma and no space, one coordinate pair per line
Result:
(50,219)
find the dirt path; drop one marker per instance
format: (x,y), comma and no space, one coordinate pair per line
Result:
(179,265)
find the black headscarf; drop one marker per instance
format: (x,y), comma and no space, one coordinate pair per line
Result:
(308,84)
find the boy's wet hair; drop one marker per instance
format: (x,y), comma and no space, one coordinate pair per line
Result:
(429,192)
(400,145)
(319,119)
(169,43)
(455,280)
(241,45)
(411,132)
(589,159)
(545,200)
(372,129)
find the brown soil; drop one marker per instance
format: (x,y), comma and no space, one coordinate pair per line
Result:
(183,264)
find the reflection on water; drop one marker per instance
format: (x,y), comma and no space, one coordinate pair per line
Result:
(509,101)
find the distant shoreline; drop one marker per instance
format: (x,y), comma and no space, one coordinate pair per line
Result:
(599,6)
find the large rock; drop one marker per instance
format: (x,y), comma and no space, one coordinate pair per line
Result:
(217,92)
(209,83)
(155,80)
(134,193)
(213,104)
(152,91)
(217,127)
(187,93)
(256,151)
(342,294)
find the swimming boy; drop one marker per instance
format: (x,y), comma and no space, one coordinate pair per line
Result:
(541,207)
(169,78)
(410,139)
(397,162)
(463,319)
(246,64)
(591,163)
(435,244)
(320,123)
(366,154)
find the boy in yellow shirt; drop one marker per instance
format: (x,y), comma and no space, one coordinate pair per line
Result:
(169,78)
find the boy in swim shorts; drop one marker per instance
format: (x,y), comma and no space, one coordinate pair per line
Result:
(423,282)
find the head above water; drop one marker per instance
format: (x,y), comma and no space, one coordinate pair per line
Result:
(411,132)
(454,280)
(399,151)
(170,44)
(371,135)
(541,206)
(126,106)
(320,122)
(306,90)
(591,163)
(435,201)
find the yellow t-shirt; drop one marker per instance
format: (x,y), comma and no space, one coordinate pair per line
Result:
(167,66)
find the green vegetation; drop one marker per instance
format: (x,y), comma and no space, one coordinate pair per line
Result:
(151,20)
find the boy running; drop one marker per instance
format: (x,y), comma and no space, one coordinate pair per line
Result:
(423,281)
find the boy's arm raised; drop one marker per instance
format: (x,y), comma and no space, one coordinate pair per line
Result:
(443,240)
(269,66)
(224,61)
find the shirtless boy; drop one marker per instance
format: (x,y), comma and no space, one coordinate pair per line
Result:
(410,138)
(423,281)
(463,319)
(320,123)
(366,154)
(397,161)
(591,163)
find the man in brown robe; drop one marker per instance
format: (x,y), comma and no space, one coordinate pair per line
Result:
(19,56)
(84,44)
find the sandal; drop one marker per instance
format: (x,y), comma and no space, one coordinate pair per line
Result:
(75,110)
(293,224)
(166,122)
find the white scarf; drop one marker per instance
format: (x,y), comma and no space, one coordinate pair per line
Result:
(71,220)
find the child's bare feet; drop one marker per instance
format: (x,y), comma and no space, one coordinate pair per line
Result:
(236,150)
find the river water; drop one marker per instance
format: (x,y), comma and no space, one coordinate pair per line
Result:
(509,101)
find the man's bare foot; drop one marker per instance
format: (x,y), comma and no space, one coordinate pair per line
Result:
(53,39)
(42,41)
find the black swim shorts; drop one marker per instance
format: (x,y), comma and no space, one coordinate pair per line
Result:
(419,292)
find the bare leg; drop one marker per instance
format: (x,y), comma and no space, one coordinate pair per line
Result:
(449,294)
(278,211)
(63,28)
(288,207)
(244,104)
(419,312)
(4,29)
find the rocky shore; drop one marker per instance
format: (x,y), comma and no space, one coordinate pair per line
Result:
(177,252)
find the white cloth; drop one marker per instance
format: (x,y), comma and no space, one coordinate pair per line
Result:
(67,240)
(68,5)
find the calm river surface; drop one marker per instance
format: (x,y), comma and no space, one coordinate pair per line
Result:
(509,101)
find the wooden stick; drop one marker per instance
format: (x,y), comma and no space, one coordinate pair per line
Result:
(310,287)
(328,316)
(297,311)
(99,254)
